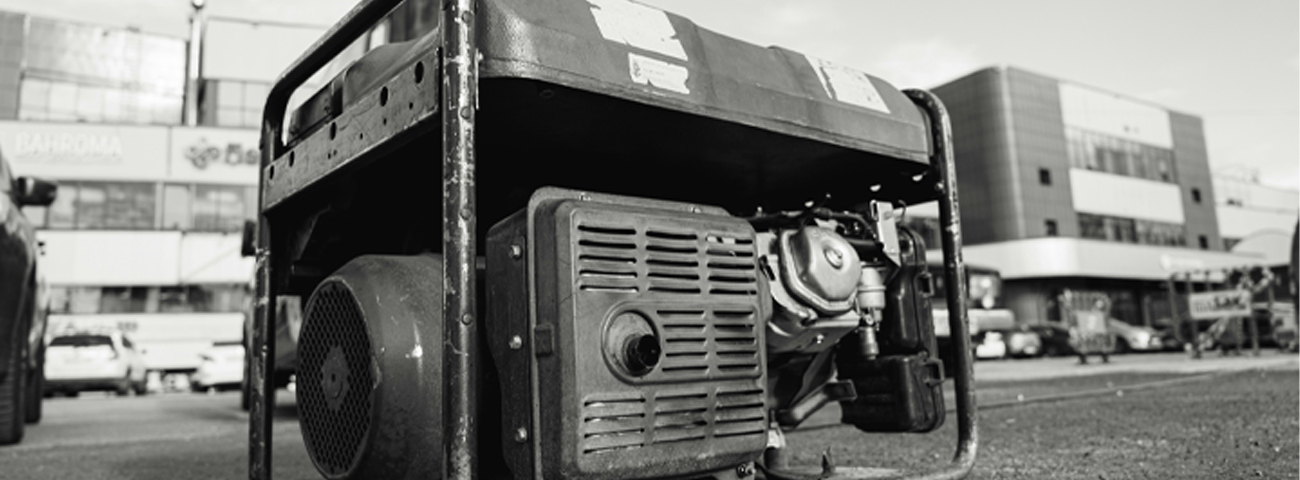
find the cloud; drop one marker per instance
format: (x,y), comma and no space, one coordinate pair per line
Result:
(926,63)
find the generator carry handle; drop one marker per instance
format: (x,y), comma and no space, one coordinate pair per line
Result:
(457,88)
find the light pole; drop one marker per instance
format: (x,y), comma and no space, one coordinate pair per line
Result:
(193,62)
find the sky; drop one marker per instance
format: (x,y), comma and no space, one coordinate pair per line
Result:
(1234,64)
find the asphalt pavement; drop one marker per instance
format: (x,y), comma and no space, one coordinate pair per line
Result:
(1238,411)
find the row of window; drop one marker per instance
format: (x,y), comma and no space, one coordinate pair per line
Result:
(66,101)
(170,299)
(1128,230)
(1104,153)
(1095,227)
(147,206)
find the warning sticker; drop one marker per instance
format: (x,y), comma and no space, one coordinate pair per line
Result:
(848,85)
(658,73)
(638,26)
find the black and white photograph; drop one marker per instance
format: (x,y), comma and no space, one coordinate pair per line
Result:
(649,239)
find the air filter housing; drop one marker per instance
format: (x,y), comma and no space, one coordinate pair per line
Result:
(370,370)
(629,337)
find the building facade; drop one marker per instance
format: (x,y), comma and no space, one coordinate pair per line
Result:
(145,233)
(1065,186)
(1247,209)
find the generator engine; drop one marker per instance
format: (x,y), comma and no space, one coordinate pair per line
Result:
(632,338)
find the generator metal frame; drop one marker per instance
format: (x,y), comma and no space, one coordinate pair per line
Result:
(450,106)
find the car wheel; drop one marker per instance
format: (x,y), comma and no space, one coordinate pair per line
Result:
(11,398)
(35,395)
(124,385)
(1122,346)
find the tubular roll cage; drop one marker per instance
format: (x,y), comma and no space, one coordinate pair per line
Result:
(459,86)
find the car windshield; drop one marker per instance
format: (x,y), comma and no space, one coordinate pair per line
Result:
(82,341)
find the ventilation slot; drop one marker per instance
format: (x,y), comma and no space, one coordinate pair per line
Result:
(613,424)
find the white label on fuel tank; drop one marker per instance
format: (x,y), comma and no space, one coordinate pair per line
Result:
(658,73)
(638,26)
(848,85)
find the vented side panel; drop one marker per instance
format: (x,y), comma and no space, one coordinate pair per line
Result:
(693,278)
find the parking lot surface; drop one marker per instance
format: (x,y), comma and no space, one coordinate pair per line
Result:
(1232,417)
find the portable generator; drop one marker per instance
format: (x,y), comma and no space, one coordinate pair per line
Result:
(589,239)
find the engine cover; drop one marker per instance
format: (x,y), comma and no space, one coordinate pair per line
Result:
(370,371)
(629,338)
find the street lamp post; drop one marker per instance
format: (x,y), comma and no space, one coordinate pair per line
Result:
(193,62)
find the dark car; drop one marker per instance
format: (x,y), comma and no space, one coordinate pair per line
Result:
(22,314)
(1055,339)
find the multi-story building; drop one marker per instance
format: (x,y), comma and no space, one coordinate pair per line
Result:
(1247,209)
(144,235)
(1065,186)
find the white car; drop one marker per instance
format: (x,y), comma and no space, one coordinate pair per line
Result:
(222,367)
(990,345)
(78,362)
(1134,338)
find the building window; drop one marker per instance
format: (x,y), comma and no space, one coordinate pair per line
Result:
(101,206)
(1205,242)
(1050,226)
(1196,195)
(1104,153)
(223,208)
(1127,230)
(1044,177)
(212,298)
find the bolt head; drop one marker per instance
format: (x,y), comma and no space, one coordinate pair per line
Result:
(521,435)
(516,251)
(516,342)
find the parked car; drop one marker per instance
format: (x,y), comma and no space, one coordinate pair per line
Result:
(990,345)
(1054,338)
(22,303)
(1022,342)
(83,361)
(1134,338)
(221,367)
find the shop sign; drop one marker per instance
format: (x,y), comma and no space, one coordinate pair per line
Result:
(72,150)
(220,155)
(67,147)
(1223,303)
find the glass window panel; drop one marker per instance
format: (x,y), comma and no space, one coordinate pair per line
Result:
(63,211)
(113,105)
(35,95)
(176,208)
(63,99)
(90,103)
(230,117)
(230,94)
(130,206)
(90,206)
(255,94)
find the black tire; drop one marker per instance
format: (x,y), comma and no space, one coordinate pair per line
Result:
(11,398)
(1121,346)
(141,388)
(35,395)
(124,385)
